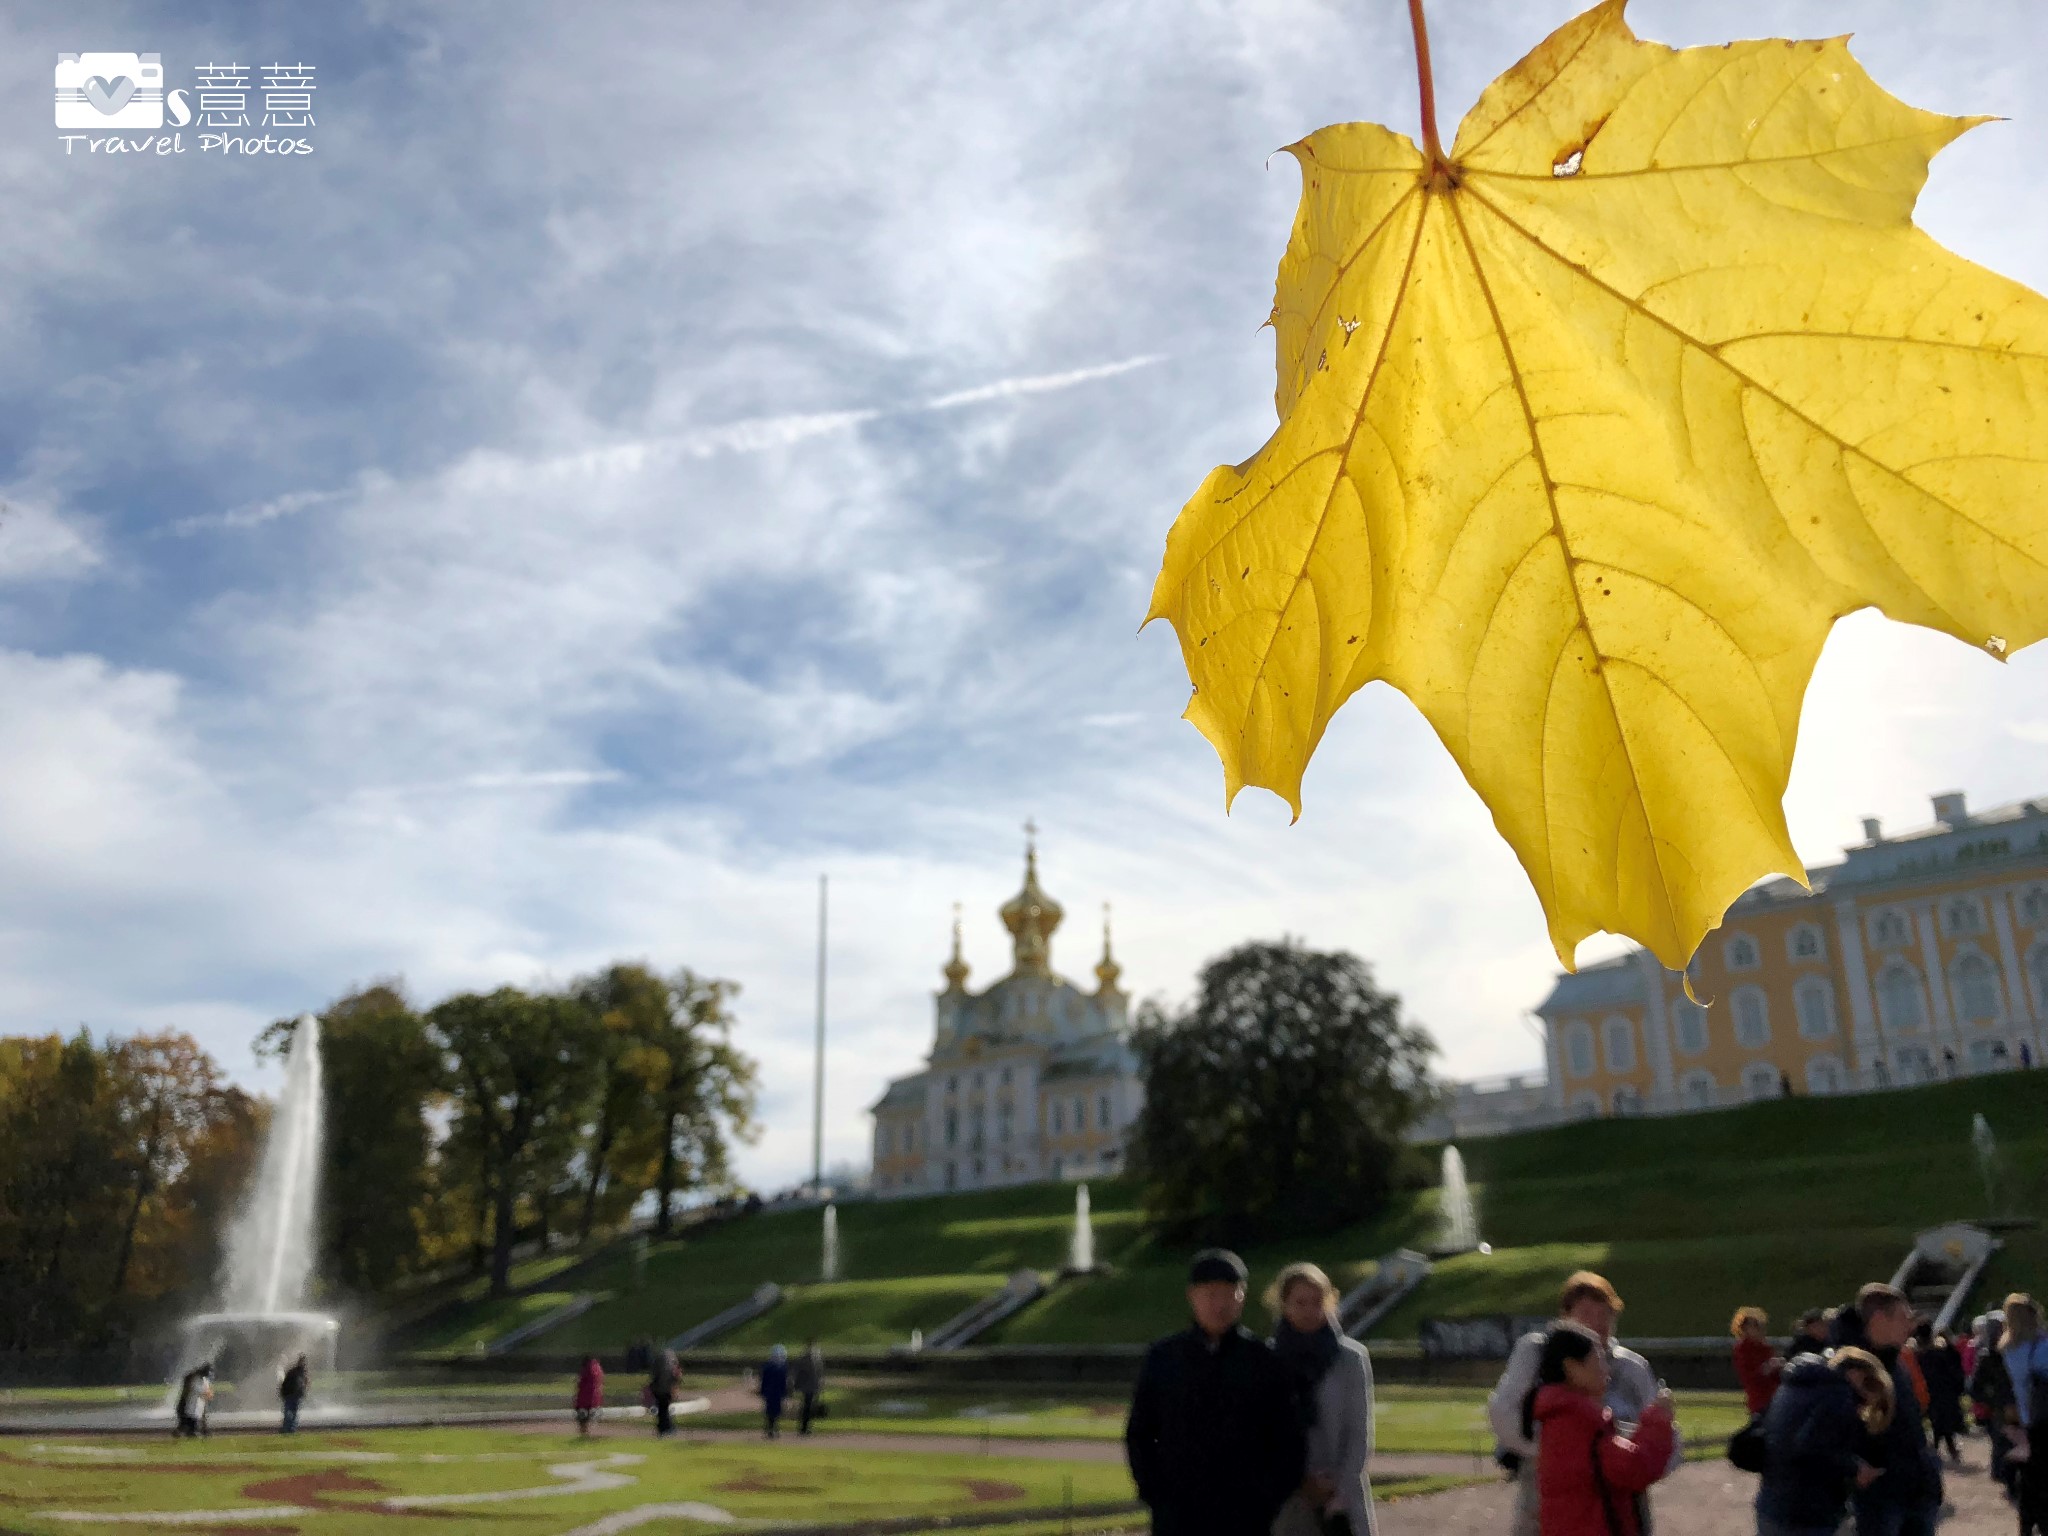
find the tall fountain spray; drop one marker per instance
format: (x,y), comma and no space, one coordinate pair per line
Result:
(1458,1228)
(270,1247)
(1986,1146)
(828,1263)
(1081,1250)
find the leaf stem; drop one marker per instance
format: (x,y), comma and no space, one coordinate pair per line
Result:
(1432,147)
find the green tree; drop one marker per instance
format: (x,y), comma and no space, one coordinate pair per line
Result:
(706,1094)
(520,1067)
(61,1187)
(1279,1100)
(382,1078)
(632,1005)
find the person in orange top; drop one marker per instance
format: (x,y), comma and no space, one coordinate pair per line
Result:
(1757,1363)
(1909,1357)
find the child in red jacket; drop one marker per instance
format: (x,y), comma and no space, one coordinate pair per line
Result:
(1590,1477)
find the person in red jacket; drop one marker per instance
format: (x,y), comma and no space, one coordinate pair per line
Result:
(1589,1476)
(1756,1360)
(589,1393)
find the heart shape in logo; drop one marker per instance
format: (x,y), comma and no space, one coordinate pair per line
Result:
(110,96)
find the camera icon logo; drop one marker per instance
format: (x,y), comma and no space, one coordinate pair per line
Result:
(110,90)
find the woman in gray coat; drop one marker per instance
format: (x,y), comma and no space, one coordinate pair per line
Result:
(1333,1388)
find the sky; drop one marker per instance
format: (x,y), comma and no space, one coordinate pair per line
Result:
(647,455)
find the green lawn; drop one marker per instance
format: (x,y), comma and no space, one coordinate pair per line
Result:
(1408,1419)
(1786,1204)
(353,1475)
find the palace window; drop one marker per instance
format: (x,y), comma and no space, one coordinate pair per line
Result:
(1988,1055)
(1803,943)
(1914,1064)
(1059,1118)
(1976,986)
(1899,1005)
(1586,1106)
(1691,1019)
(1814,1001)
(1578,1050)
(1963,915)
(1003,1122)
(2037,964)
(1889,929)
(1004,1079)
(1697,1090)
(1742,953)
(1761,1080)
(1621,1045)
(952,1127)
(1752,1018)
(1103,1113)
(2034,907)
(1823,1075)
(975,1125)
(1627,1101)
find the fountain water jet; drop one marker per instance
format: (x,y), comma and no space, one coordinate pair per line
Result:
(1081,1249)
(270,1248)
(828,1265)
(1458,1227)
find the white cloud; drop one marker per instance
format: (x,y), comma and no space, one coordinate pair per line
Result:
(37,544)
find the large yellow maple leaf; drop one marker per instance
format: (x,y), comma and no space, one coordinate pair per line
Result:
(1590,429)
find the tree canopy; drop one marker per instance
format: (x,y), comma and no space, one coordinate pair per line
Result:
(1278,1100)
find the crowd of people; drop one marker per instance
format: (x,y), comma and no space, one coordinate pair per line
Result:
(1853,1419)
(1233,1435)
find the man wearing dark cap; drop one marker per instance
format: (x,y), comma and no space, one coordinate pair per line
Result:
(1215,1440)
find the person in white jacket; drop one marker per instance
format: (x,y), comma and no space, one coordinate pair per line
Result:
(1332,1378)
(1589,1300)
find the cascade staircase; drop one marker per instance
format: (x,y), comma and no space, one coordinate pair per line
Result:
(1392,1281)
(1023,1288)
(765,1297)
(574,1307)
(1943,1268)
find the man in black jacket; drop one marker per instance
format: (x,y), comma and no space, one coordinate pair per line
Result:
(1906,1500)
(1215,1439)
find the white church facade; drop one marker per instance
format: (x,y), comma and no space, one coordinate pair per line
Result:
(1031,1079)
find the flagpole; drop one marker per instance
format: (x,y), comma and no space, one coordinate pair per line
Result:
(818,1077)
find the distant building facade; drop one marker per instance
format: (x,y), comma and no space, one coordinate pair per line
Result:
(1913,959)
(1032,1079)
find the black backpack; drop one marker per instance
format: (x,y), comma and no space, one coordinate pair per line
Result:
(1747,1449)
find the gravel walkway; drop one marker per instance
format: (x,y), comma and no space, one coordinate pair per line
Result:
(1703,1498)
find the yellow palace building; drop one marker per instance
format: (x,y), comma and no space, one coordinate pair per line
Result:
(1914,958)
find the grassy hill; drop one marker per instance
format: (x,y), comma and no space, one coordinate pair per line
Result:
(1785,1204)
